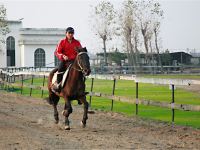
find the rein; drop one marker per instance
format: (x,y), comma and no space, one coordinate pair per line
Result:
(81,68)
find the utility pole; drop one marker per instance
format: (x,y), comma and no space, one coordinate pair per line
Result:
(105,57)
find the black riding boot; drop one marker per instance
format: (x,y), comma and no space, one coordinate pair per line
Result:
(57,86)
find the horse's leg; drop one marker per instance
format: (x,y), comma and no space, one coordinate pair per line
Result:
(67,111)
(54,98)
(85,114)
(56,114)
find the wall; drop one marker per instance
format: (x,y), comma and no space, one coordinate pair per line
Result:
(29,51)
(27,40)
(14,27)
(34,38)
(3,56)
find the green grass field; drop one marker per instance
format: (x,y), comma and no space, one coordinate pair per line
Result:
(146,91)
(172,76)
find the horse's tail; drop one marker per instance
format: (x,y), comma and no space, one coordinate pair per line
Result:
(53,98)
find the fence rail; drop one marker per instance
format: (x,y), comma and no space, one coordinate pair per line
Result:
(6,79)
(118,77)
(185,107)
(100,69)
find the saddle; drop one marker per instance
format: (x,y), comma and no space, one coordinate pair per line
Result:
(54,79)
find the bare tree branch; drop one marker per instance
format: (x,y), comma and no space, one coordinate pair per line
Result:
(103,22)
(3,26)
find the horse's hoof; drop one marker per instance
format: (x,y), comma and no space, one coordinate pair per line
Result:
(64,112)
(83,125)
(67,127)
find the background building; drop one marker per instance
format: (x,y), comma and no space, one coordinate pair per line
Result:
(30,47)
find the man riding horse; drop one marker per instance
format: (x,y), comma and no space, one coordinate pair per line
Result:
(69,51)
(66,53)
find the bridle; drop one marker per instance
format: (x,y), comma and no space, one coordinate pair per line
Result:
(78,61)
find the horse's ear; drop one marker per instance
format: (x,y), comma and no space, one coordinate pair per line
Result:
(84,49)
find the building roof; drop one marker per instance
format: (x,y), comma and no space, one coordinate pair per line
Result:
(42,31)
(14,21)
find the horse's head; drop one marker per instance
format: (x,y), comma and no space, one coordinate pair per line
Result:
(82,60)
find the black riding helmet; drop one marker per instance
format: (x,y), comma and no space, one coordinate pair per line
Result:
(70,30)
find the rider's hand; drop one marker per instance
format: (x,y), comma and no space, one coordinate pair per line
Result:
(65,57)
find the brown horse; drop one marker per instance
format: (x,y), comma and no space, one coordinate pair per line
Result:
(73,89)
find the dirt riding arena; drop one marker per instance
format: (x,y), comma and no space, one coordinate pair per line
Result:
(27,123)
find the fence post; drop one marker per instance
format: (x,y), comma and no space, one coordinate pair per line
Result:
(22,83)
(43,86)
(8,81)
(136,100)
(13,81)
(91,89)
(4,79)
(172,105)
(31,85)
(113,92)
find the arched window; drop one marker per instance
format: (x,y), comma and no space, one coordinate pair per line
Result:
(10,47)
(56,61)
(39,58)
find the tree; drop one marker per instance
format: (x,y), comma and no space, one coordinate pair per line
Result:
(149,16)
(129,31)
(156,28)
(143,15)
(103,23)
(3,25)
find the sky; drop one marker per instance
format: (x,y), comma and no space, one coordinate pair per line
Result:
(180,27)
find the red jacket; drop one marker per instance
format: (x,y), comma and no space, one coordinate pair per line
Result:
(67,48)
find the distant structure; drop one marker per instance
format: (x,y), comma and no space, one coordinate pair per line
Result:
(30,47)
(195,58)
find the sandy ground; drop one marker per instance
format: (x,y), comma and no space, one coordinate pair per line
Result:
(27,123)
